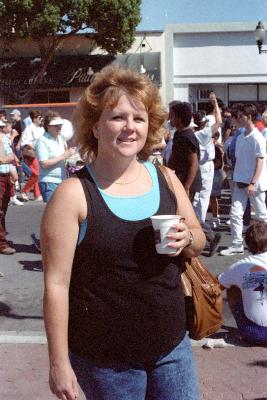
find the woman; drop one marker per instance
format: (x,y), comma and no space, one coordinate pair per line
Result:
(51,152)
(111,301)
(27,142)
(246,283)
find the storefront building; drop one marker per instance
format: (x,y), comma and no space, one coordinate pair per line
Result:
(186,61)
(71,69)
(214,57)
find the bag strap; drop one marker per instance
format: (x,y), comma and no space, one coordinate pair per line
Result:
(166,174)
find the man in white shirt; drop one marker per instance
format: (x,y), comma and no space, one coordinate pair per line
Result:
(33,131)
(246,283)
(204,136)
(250,178)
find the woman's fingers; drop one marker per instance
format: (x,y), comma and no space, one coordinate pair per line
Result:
(63,383)
(179,232)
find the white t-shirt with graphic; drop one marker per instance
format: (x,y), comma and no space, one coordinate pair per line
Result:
(250,275)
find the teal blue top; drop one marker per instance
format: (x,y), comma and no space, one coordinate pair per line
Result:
(130,208)
(48,147)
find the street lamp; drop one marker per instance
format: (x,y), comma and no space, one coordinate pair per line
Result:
(260,36)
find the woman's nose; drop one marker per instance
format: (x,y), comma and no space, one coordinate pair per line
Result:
(129,124)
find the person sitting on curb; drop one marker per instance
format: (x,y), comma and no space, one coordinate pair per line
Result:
(246,284)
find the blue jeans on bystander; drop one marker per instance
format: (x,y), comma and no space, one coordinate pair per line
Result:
(47,189)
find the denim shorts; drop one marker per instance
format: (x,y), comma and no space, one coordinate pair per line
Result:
(171,377)
(47,189)
(249,331)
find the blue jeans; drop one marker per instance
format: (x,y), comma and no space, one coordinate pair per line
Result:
(171,377)
(47,189)
(250,331)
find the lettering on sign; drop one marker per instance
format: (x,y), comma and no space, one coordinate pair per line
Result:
(81,76)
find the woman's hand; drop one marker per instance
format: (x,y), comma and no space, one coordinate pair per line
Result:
(63,382)
(181,237)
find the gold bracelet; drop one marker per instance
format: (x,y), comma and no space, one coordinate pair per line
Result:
(191,240)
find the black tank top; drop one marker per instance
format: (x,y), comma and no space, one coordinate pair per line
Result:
(126,301)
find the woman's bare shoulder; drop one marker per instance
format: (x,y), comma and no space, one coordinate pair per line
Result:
(70,196)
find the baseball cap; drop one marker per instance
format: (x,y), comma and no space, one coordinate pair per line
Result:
(15,111)
(56,121)
(2,123)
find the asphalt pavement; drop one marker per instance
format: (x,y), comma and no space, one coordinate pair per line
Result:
(228,368)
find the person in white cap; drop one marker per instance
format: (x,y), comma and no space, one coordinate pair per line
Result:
(6,158)
(51,152)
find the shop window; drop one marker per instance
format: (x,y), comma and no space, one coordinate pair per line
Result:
(52,96)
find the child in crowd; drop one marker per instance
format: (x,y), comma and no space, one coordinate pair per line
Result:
(246,284)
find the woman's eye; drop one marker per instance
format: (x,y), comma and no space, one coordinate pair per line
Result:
(117,117)
(140,119)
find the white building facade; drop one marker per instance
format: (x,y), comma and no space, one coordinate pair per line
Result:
(224,58)
(186,61)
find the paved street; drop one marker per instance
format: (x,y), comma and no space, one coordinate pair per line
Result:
(21,286)
(230,373)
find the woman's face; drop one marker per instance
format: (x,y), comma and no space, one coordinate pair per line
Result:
(123,130)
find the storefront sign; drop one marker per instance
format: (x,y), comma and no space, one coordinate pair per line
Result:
(65,71)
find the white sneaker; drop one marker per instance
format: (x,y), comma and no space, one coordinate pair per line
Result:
(24,196)
(232,250)
(38,198)
(215,222)
(16,202)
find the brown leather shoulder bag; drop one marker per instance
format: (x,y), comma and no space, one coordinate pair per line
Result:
(203,297)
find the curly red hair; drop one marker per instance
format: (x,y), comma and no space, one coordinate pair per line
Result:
(105,90)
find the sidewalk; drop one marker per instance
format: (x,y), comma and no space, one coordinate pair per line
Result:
(231,373)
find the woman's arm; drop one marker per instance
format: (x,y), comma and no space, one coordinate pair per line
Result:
(194,165)
(51,162)
(5,159)
(190,223)
(14,134)
(59,233)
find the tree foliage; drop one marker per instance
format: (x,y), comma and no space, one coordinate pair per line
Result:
(111,23)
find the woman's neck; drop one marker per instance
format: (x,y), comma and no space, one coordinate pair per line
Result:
(108,170)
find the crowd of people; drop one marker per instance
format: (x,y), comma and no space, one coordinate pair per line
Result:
(218,147)
(114,309)
(33,158)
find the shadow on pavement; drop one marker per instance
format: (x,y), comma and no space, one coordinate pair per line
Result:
(26,248)
(32,265)
(5,311)
(231,336)
(259,363)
